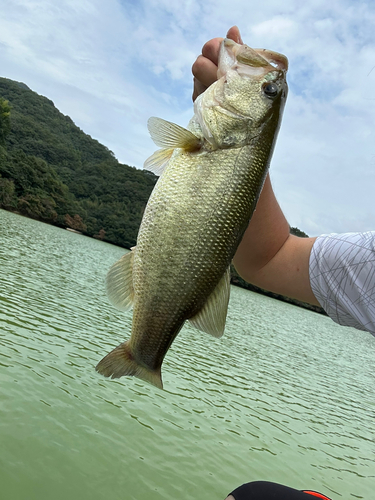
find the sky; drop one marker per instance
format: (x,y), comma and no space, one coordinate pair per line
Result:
(111,65)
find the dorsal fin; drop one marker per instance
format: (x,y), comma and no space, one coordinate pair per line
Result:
(168,135)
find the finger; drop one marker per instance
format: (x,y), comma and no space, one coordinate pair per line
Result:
(234,34)
(211,50)
(205,71)
(198,89)
(205,67)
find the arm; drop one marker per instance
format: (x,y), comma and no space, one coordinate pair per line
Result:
(268,255)
(272,258)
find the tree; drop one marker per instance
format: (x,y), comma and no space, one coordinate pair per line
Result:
(298,232)
(8,198)
(100,235)
(75,222)
(4,120)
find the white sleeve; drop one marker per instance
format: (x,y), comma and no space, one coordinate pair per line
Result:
(342,277)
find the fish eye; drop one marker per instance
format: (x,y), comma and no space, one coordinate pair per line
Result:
(270,89)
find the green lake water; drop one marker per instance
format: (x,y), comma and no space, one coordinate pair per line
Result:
(286,395)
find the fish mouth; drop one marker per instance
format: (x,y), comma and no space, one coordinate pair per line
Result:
(274,58)
(253,61)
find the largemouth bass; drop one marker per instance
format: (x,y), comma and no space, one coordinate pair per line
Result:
(211,175)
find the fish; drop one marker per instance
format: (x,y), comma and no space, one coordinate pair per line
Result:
(210,177)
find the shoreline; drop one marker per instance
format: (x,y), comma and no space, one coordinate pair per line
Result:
(235,280)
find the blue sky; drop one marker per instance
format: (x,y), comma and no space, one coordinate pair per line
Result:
(111,65)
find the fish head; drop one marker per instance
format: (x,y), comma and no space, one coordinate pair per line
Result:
(248,97)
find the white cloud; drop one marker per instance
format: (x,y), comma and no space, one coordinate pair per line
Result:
(279,26)
(110,65)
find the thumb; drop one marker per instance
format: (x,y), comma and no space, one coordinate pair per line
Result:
(234,34)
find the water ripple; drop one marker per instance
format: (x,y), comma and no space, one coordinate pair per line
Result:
(285,395)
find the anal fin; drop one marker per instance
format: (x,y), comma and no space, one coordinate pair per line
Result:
(211,318)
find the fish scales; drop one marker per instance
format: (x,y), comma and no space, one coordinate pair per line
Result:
(197,213)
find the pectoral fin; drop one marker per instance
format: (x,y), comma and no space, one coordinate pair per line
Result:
(157,162)
(211,318)
(119,283)
(168,135)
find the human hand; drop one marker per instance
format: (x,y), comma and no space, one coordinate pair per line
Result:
(205,67)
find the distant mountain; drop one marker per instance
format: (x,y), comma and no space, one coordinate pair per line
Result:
(52,171)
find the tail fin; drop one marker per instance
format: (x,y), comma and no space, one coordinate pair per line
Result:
(121,362)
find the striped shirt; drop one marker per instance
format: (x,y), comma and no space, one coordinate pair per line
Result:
(342,277)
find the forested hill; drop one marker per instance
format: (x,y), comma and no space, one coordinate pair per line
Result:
(52,171)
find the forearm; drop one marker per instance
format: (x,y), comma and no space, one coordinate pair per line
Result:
(270,257)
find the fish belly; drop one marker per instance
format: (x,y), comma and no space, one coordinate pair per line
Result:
(192,225)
